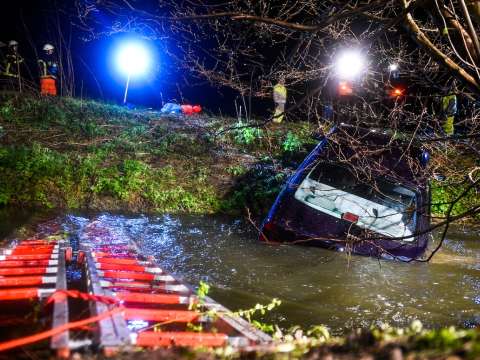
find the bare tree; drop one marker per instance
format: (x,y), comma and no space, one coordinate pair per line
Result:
(248,45)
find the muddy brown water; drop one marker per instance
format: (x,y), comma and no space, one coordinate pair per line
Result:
(316,286)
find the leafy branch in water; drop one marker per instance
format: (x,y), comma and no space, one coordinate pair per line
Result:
(201,294)
(248,314)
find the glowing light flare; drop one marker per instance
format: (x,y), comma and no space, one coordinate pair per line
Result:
(396,92)
(345,88)
(350,64)
(393,67)
(133,59)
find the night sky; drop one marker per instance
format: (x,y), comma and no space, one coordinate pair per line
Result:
(96,75)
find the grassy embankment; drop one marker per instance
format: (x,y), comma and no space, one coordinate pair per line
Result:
(73,154)
(68,153)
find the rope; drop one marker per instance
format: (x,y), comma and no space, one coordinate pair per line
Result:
(61,295)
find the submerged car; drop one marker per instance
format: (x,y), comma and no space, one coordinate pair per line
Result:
(360,191)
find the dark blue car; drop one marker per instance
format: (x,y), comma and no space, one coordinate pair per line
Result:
(360,191)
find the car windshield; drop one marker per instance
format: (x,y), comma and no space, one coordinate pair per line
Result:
(380,205)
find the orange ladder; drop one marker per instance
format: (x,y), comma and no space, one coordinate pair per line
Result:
(34,269)
(153,298)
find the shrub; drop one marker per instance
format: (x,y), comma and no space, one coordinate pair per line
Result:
(245,134)
(292,143)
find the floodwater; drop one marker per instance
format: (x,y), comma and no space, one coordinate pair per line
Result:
(316,286)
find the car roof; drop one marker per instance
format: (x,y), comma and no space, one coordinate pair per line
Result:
(378,153)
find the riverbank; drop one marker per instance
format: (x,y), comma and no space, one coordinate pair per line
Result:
(380,343)
(73,154)
(68,153)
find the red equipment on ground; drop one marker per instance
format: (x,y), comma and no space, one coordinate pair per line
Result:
(191,109)
(48,86)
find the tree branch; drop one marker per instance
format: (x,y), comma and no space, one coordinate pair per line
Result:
(419,36)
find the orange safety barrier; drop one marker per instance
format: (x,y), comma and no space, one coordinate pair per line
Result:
(27,280)
(126,284)
(142,286)
(23,294)
(152,298)
(139,268)
(15,263)
(29,257)
(63,294)
(160,315)
(18,294)
(165,338)
(35,246)
(127,275)
(26,271)
(17,251)
(110,260)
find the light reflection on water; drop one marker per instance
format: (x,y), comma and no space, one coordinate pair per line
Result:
(316,286)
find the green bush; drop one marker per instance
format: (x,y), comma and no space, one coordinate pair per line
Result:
(292,143)
(444,193)
(28,173)
(246,134)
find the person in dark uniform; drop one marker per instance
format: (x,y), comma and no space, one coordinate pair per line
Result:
(11,67)
(48,71)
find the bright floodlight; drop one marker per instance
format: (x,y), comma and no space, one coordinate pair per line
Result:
(393,67)
(133,59)
(350,64)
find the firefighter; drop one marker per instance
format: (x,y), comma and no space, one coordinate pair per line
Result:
(11,69)
(280,98)
(449,110)
(48,71)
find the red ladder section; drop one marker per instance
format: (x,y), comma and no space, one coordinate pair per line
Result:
(33,270)
(156,303)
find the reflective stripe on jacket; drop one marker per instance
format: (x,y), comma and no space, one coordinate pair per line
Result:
(11,64)
(48,67)
(280,93)
(449,104)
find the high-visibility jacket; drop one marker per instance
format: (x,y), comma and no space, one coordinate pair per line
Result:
(48,66)
(12,63)
(449,109)
(280,93)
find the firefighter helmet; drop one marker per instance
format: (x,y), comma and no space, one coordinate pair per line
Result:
(48,47)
